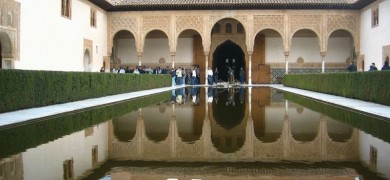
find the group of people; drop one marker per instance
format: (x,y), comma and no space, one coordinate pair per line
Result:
(385,66)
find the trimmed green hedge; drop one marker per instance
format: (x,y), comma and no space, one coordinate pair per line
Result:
(21,89)
(373,86)
(23,137)
(377,127)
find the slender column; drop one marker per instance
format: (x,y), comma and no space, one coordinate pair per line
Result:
(139,58)
(206,56)
(323,61)
(250,68)
(173,59)
(286,53)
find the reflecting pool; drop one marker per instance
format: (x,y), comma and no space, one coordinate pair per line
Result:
(201,133)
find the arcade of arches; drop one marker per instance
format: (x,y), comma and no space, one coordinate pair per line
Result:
(267,44)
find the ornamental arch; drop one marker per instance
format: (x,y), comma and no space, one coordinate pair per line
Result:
(124,50)
(156,47)
(340,47)
(305,49)
(189,49)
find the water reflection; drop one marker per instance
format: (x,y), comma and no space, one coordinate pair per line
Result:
(229,132)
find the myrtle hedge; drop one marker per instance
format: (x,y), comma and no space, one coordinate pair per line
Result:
(375,126)
(373,86)
(21,89)
(36,132)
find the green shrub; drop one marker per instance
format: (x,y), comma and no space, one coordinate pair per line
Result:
(373,86)
(21,89)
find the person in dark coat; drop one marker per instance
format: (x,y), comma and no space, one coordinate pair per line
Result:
(386,65)
(352,67)
(373,67)
(242,76)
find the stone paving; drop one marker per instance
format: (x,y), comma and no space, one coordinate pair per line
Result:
(20,116)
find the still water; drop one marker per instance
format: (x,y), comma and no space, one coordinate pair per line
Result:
(201,133)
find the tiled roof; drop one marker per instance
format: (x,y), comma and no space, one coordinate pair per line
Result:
(128,5)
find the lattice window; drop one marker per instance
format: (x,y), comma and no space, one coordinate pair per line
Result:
(66,8)
(375,16)
(228,28)
(68,169)
(373,156)
(240,28)
(95,156)
(217,28)
(93,18)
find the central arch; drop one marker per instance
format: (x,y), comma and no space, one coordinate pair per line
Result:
(228,55)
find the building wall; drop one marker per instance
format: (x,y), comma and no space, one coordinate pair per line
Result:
(49,41)
(373,39)
(46,160)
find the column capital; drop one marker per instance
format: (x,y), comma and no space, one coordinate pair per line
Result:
(250,53)
(323,54)
(286,53)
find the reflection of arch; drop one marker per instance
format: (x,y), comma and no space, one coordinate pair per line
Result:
(337,131)
(228,55)
(304,129)
(229,112)
(156,127)
(125,126)
(6,45)
(87,60)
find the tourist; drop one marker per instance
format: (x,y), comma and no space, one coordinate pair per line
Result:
(373,67)
(242,76)
(386,65)
(210,76)
(351,67)
(193,78)
(197,75)
(231,75)
(102,69)
(179,75)
(173,75)
(215,74)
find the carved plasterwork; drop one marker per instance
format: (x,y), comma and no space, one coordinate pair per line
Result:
(122,22)
(346,22)
(275,22)
(189,22)
(298,22)
(156,22)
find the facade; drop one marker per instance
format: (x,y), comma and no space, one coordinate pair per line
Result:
(266,39)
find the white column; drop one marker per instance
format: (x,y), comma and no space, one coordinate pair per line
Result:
(139,58)
(206,67)
(323,61)
(250,68)
(286,53)
(173,59)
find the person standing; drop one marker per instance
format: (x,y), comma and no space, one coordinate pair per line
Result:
(210,76)
(173,75)
(242,76)
(215,74)
(102,69)
(373,67)
(179,75)
(386,65)
(197,75)
(193,78)
(351,67)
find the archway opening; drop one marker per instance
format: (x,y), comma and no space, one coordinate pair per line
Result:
(189,52)
(341,50)
(1,56)
(87,61)
(227,56)
(156,49)
(305,54)
(5,50)
(124,51)
(229,111)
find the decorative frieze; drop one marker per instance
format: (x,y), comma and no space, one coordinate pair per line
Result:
(346,22)
(275,22)
(123,22)
(156,22)
(298,22)
(189,22)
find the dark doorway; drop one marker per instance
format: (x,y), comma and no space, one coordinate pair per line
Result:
(228,55)
(1,57)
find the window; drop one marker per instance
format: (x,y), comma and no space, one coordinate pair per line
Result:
(66,8)
(240,28)
(9,19)
(374,16)
(228,28)
(93,18)
(68,169)
(373,156)
(217,28)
